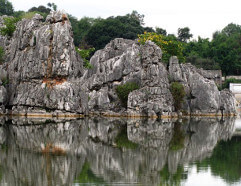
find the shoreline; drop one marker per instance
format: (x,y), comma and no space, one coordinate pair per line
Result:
(116,115)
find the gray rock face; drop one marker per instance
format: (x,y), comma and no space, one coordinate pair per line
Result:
(46,75)
(124,61)
(203,96)
(3,95)
(3,39)
(43,68)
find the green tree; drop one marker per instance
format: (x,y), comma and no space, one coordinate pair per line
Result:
(52,5)
(138,17)
(104,30)
(199,53)
(161,31)
(6,7)
(184,34)
(41,8)
(81,29)
(231,29)
(226,50)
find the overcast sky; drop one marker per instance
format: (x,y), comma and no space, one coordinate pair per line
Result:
(203,17)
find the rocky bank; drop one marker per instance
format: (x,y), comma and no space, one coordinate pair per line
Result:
(43,75)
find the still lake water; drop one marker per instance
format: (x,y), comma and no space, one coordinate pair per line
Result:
(113,151)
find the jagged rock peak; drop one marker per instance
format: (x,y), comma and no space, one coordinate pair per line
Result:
(57,16)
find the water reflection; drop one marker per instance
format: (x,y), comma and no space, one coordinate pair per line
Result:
(112,150)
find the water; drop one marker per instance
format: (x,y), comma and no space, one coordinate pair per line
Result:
(115,151)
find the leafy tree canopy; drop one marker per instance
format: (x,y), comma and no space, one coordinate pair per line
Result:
(104,30)
(6,7)
(41,8)
(161,31)
(184,34)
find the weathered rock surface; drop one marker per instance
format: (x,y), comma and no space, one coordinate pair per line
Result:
(3,39)
(46,76)
(202,94)
(43,67)
(123,61)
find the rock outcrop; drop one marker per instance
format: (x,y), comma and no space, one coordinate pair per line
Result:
(45,76)
(43,67)
(123,61)
(202,94)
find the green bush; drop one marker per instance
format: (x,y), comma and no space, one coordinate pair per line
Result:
(10,26)
(5,81)
(2,53)
(124,90)
(85,54)
(178,94)
(228,81)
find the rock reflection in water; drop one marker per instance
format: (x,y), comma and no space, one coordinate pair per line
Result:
(106,150)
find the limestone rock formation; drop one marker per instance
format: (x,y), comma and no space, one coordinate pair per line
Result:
(43,66)
(45,75)
(202,94)
(123,61)
(3,39)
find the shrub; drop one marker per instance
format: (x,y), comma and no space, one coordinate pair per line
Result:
(178,94)
(10,26)
(124,90)
(85,54)
(169,45)
(5,81)
(2,54)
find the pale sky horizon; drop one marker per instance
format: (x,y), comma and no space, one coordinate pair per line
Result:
(202,17)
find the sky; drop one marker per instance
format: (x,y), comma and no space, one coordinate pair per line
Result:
(203,17)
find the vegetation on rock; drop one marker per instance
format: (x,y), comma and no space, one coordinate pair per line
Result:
(85,54)
(169,45)
(178,94)
(10,26)
(2,53)
(124,90)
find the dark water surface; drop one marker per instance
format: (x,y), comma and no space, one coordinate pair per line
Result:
(101,151)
